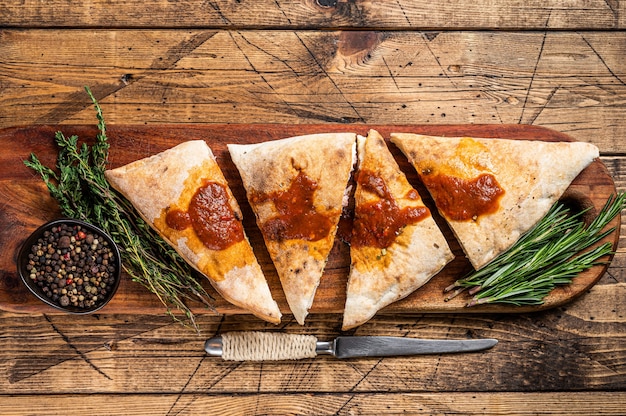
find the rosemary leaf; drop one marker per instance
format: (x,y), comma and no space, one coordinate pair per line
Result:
(552,253)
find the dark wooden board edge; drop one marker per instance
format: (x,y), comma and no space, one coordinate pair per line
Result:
(131,142)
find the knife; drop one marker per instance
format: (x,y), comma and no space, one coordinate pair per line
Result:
(274,346)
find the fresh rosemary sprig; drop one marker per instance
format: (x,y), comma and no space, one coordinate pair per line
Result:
(82,191)
(550,254)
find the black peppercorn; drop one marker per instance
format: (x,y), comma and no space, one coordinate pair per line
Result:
(68,263)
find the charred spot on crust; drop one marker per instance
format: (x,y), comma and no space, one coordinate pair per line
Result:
(299,164)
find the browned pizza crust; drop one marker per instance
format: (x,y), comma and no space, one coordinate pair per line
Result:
(529,177)
(273,168)
(168,181)
(380,276)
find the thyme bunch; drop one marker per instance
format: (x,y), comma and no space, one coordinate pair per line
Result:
(79,186)
(552,253)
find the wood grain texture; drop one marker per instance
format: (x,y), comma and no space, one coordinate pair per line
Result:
(129,143)
(546,63)
(573,348)
(573,82)
(294,14)
(465,404)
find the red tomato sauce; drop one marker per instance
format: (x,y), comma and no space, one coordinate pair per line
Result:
(463,200)
(297,216)
(211,217)
(378,223)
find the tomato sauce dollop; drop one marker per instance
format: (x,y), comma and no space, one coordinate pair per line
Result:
(464,199)
(211,217)
(297,216)
(378,223)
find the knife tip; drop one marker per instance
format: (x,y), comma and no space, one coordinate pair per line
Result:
(491,342)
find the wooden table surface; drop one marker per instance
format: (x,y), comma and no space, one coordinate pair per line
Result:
(536,62)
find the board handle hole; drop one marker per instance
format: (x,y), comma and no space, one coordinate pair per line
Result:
(576,202)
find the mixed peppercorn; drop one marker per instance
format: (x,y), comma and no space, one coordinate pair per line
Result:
(73,266)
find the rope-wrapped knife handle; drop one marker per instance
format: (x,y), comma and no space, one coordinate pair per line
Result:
(267,346)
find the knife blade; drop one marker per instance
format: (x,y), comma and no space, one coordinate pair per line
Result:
(274,346)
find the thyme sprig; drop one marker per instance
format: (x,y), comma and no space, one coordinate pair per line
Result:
(79,186)
(557,249)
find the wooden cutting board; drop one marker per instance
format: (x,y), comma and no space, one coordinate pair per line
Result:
(25,204)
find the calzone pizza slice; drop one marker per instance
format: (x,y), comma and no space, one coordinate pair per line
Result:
(184,196)
(395,247)
(491,191)
(296,188)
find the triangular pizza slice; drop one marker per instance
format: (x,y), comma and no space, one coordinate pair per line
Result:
(296,187)
(491,191)
(395,246)
(184,196)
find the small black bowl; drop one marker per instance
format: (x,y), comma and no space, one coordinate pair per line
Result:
(70,280)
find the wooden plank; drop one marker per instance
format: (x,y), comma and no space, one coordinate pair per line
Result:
(403,14)
(486,404)
(547,63)
(26,206)
(574,348)
(571,82)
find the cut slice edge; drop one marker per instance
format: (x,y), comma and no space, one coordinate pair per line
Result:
(269,169)
(378,275)
(531,176)
(169,179)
